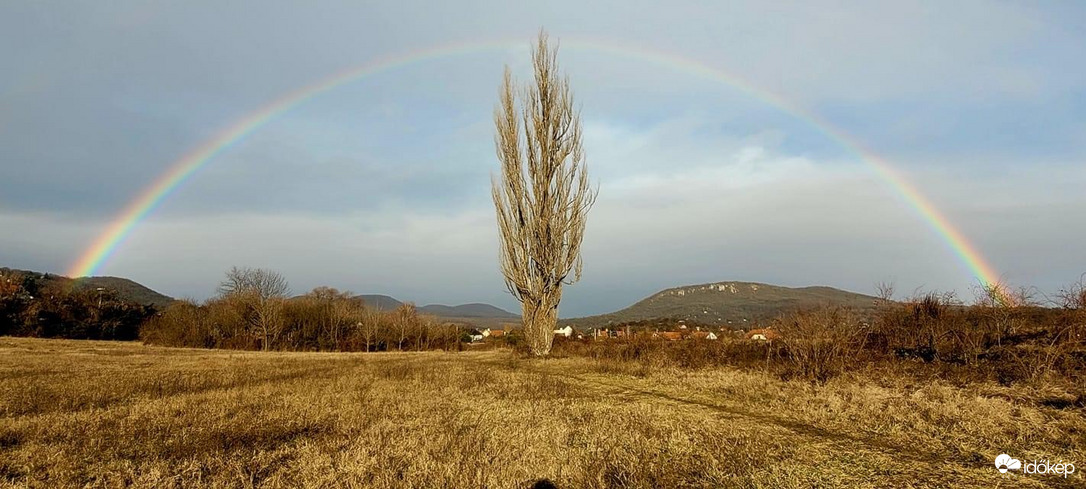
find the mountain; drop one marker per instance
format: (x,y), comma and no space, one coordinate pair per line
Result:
(378,301)
(474,310)
(467,312)
(124,288)
(733,304)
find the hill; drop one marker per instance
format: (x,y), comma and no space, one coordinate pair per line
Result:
(732,304)
(378,301)
(124,288)
(473,310)
(475,313)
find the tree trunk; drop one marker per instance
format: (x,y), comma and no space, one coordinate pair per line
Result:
(540,318)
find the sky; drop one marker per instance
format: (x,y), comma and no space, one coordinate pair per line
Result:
(381,184)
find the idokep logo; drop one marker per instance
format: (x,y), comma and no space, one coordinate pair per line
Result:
(1005,462)
(1047,467)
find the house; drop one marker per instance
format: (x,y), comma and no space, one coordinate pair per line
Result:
(494,333)
(612,333)
(668,335)
(703,335)
(766,334)
(566,331)
(476,335)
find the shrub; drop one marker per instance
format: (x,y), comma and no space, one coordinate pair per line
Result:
(323,320)
(37,306)
(819,344)
(686,353)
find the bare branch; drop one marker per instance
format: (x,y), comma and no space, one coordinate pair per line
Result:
(542,195)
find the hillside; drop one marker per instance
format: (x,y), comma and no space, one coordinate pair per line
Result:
(475,313)
(733,304)
(378,301)
(474,310)
(126,289)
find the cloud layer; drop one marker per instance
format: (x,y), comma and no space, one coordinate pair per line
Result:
(382,185)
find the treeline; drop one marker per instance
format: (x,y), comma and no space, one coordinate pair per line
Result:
(1003,337)
(253,312)
(45,306)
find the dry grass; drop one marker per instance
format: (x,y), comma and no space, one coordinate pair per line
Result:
(79,413)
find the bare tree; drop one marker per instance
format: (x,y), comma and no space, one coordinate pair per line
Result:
(1074,295)
(422,333)
(339,311)
(998,300)
(267,319)
(265,283)
(885,292)
(370,324)
(1000,295)
(543,195)
(406,317)
(261,294)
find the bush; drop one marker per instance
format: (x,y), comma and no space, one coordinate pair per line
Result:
(930,336)
(32,306)
(819,344)
(686,353)
(182,323)
(323,320)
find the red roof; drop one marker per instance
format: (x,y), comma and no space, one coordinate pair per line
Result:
(767,333)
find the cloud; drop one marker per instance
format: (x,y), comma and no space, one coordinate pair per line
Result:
(381,185)
(755,215)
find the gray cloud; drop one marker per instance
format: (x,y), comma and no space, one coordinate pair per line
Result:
(381,185)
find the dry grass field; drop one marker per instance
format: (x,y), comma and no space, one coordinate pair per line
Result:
(86,413)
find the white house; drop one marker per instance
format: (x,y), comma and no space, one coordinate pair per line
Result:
(566,331)
(703,335)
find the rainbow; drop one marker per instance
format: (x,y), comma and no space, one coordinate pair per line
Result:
(104,247)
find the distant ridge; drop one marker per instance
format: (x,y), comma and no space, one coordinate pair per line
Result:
(127,289)
(124,288)
(732,304)
(473,310)
(378,301)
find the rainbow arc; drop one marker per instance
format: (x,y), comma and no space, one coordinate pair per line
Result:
(153,196)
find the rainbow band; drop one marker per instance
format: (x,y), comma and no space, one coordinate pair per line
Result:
(91,260)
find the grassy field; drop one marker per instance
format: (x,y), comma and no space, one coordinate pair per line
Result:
(75,413)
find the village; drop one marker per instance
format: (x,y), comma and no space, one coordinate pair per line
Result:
(676,332)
